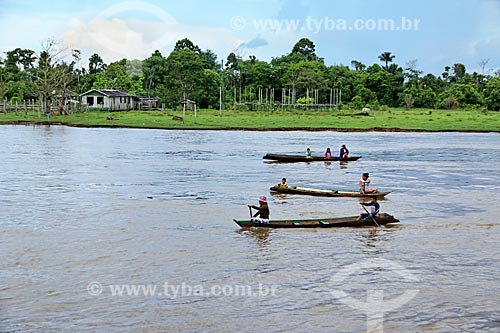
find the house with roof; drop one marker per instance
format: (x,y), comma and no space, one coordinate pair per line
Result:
(109,100)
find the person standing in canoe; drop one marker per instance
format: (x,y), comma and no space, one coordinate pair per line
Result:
(308,153)
(364,184)
(375,207)
(262,211)
(344,152)
(328,153)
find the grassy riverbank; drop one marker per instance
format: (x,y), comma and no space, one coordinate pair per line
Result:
(394,119)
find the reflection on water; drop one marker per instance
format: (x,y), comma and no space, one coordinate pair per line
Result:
(372,237)
(149,207)
(260,235)
(343,164)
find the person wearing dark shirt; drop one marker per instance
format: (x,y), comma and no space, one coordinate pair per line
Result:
(262,211)
(375,207)
(344,152)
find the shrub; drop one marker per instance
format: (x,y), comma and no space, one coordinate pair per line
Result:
(357,102)
(492,94)
(409,100)
(450,103)
(304,100)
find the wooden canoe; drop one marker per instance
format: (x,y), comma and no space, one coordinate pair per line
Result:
(324,193)
(302,158)
(336,222)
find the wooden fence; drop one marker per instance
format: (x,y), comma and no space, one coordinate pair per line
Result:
(36,106)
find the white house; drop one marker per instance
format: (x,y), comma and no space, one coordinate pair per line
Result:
(109,100)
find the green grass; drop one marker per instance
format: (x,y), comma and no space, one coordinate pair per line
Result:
(393,119)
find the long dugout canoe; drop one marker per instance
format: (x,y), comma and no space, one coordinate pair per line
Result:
(349,221)
(301,158)
(324,193)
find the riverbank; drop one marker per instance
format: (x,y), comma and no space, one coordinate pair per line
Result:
(392,120)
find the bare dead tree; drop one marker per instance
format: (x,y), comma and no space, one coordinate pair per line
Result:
(53,75)
(411,70)
(482,63)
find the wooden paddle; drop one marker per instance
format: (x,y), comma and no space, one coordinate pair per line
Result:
(250,209)
(373,219)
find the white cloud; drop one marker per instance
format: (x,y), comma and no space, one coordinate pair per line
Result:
(114,39)
(486,44)
(134,30)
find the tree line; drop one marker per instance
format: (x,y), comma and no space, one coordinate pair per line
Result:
(189,72)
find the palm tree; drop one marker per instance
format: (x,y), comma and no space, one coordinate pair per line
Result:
(387,58)
(358,65)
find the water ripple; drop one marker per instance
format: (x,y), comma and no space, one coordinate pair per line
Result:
(147,207)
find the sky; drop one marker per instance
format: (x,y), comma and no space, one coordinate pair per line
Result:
(435,33)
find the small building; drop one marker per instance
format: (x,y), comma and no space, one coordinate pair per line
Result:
(148,102)
(109,100)
(188,104)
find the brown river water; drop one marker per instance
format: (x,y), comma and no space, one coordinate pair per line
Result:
(129,230)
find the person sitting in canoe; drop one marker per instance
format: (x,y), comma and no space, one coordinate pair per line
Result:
(375,207)
(262,211)
(328,153)
(344,152)
(283,183)
(308,153)
(364,184)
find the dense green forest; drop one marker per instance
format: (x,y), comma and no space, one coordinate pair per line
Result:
(189,72)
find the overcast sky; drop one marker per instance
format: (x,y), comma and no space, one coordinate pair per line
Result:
(436,33)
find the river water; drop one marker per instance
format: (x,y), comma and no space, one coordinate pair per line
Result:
(88,213)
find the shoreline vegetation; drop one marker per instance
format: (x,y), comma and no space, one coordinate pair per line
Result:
(394,119)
